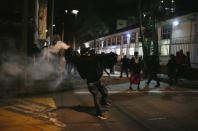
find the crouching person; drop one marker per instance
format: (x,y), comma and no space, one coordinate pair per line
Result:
(94,88)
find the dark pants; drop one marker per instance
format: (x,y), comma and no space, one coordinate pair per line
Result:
(124,69)
(94,88)
(172,75)
(112,70)
(153,76)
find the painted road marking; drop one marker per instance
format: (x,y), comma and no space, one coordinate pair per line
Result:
(35,110)
(157,118)
(154,92)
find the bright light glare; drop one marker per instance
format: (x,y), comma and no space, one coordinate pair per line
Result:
(175,23)
(54,25)
(128,35)
(75,12)
(87,44)
(66,11)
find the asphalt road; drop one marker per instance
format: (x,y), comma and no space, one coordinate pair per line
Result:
(164,109)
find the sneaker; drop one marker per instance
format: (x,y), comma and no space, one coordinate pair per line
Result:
(102,117)
(129,90)
(106,104)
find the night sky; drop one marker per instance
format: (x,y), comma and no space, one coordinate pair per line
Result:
(107,10)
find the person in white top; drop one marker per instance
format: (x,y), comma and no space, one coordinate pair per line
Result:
(59,49)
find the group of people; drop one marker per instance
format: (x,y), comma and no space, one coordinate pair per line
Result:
(178,66)
(136,66)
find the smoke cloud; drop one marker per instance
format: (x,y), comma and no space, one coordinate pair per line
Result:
(35,74)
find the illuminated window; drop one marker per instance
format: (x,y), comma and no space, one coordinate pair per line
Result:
(124,51)
(131,51)
(164,47)
(118,51)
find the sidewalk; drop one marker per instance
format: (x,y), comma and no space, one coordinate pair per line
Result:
(21,87)
(183,82)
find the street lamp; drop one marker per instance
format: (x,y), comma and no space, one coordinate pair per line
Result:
(175,23)
(75,12)
(128,43)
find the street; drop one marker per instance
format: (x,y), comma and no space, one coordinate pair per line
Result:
(164,108)
(56,56)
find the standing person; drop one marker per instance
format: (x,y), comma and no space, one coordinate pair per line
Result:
(172,68)
(124,66)
(183,63)
(136,66)
(188,60)
(153,70)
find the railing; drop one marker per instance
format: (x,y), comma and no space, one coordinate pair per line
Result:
(176,44)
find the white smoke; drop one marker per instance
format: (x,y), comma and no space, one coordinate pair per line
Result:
(31,72)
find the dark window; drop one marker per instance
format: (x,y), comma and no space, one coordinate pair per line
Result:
(166,32)
(97,43)
(113,41)
(109,41)
(124,39)
(104,43)
(118,40)
(133,37)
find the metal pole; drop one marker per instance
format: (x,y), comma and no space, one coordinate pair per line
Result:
(63,30)
(51,22)
(74,39)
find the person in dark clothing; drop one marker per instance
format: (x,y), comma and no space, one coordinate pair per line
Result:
(180,60)
(153,70)
(124,66)
(136,66)
(110,61)
(188,60)
(90,68)
(172,69)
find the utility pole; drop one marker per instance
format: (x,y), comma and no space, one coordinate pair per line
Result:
(141,35)
(23,48)
(51,22)
(63,30)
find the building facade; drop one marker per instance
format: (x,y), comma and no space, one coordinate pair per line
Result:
(173,35)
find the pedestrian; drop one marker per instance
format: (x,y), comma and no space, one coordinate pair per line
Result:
(172,69)
(188,64)
(124,66)
(136,67)
(153,68)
